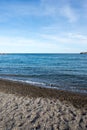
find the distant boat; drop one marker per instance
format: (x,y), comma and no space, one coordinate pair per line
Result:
(83,52)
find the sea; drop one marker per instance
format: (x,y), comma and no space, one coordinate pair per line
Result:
(57,71)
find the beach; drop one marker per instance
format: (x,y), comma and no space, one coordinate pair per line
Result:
(43,65)
(27,107)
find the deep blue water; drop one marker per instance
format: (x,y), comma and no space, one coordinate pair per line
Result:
(61,71)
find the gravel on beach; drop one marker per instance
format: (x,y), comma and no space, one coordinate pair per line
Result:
(19,111)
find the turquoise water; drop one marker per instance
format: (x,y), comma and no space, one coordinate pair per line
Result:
(61,71)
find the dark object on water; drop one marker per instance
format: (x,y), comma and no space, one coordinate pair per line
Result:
(83,52)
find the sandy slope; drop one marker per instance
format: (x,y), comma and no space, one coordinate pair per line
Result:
(24,113)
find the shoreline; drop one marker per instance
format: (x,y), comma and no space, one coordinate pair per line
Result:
(25,89)
(43,85)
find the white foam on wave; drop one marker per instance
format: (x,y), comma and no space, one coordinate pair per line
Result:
(25,81)
(35,83)
(44,85)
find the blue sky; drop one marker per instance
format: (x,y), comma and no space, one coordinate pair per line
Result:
(43,26)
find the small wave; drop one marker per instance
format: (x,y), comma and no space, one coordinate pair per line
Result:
(43,84)
(25,81)
(35,83)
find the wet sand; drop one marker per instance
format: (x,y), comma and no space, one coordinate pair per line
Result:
(26,107)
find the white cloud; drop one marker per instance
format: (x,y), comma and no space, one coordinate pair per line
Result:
(70,38)
(24,45)
(46,44)
(44,8)
(77,36)
(61,8)
(14,41)
(69,13)
(53,34)
(56,38)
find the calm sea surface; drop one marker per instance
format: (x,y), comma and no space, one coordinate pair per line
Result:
(61,71)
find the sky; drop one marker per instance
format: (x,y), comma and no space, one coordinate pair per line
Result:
(43,26)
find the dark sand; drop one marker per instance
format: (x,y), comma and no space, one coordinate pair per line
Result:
(24,89)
